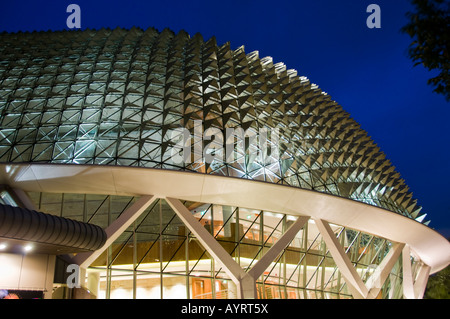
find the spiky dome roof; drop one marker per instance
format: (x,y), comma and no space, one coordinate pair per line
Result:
(110,97)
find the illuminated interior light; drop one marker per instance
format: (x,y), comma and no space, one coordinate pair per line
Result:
(3,246)
(28,248)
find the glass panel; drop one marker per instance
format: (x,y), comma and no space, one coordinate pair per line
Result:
(148,285)
(158,257)
(120,285)
(174,287)
(74,206)
(51,203)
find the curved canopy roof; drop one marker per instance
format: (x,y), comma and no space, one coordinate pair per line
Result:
(427,244)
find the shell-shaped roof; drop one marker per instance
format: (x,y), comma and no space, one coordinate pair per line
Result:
(115,97)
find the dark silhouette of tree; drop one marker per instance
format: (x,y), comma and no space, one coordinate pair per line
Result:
(438,285)
(429,27)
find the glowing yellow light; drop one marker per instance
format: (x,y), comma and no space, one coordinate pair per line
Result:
(28,248)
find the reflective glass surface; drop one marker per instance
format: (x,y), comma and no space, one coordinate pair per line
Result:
(123,97)
(158,257)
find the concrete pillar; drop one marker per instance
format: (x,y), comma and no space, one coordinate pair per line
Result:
(247,287)
(348,271)
(227,211)
(245,282)
(93,282)
(408,281)
(381,273)
(421,281)
(50,273)
(232,290)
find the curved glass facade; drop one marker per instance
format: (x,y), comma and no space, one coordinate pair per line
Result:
(158,257)
(116,97)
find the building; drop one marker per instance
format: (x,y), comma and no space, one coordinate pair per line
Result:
(202,172)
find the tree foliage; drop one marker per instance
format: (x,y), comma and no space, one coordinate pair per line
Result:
(429,28)
(438,286)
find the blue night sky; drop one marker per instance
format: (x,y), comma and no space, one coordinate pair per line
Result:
(367,71)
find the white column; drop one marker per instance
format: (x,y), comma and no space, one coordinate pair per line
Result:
(381,273)
(408,280)
(236,273)
(277,248)
(114,230)
(49,277)
(245,282)
(93,282)
(227,211)
(421,281)
(348,271)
